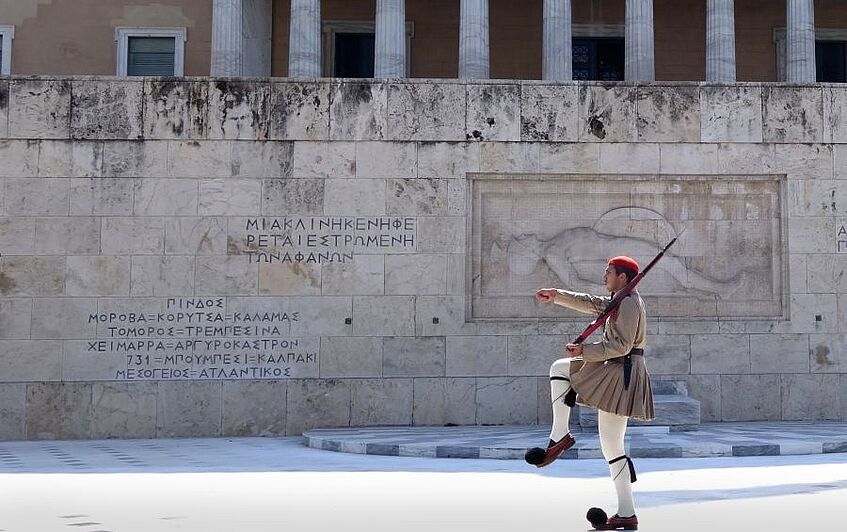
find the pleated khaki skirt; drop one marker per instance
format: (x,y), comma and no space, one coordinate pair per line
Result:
(600,385)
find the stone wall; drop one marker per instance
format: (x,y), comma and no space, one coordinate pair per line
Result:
(222,257)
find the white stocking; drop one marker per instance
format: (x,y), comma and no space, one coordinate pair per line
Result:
(560,384)
(612,430)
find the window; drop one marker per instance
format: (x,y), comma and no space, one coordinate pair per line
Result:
(830,58)
(348,48)
(7,33)
(150,51)
(598,59)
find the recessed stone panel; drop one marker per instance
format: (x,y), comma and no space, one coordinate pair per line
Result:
(552,231)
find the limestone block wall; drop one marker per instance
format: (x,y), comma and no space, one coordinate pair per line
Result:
(237,257)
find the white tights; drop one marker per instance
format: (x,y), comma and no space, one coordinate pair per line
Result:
(612,430)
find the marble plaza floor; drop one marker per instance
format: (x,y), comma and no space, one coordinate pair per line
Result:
(708,440)
(273,484)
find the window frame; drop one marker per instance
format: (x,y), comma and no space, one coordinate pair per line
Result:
(330,28)
(8,34)
(123,33)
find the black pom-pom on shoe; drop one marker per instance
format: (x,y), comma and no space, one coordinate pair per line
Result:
(597,517)
(535,456)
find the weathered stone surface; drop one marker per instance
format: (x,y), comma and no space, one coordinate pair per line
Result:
(39,109)
(32,276)
(188,409)
(290,279)
(4,109)
(160,197)
(731,113)
(317,403)
(442,401)
(63,318)
(726,353)
(358,111)
(123,410)
(440,315)
(827,353)
(386,159)
(477,356)
(827,274)
(107,109)
(549,112)
(300,111)
(175,109)
(229,275)
(97,276)
(818,197)
(384,316)
(293,197)
(262,159)
(162,276)
(834,112)
(239,110)
(506,400)
(17,236)
(509,157)
(138,159)
(792,114)
(324,159)
(803,161)
(62,158)
(229,197)
(381,402)
(750,397)
(533,355)
(30,360)
(738,158)
(37,197)
(254,408)
(414,357)
(668,113)
(58,411)
(20,158)
(365,275)
(811,235)
(441,234)
(607,114)
(15,319)
(205,159)
(132,236)
(351,357)
(425,111)
(418,274)
(322,316)
(354,197)
(493,112)
(457,197)
(669,355)
(629,158)
(688,158)
(569,157)
(195,236)
(810,397)
(80,364)
(447,159)
(421,197)
(12,411)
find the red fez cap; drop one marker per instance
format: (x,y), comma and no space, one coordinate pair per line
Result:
(626,262)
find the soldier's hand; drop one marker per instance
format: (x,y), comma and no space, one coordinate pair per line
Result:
(573,350)
(545,295)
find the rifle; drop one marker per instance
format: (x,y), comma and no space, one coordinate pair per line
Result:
(622,293)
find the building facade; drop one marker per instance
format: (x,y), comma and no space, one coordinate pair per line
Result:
(217,255)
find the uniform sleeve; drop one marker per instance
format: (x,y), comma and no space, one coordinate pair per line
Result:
(585,303)
(619,336)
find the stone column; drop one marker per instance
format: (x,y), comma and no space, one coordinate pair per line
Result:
(557,61)
(473,39)
(304,50)
(800,41)
(720,40)
(241,37)
(390,45)
(640,61)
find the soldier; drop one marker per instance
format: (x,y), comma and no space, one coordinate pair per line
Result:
(609,375)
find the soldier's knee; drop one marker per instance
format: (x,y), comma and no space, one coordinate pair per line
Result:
(561,368)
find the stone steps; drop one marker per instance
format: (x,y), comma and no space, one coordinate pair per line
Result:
(674,409)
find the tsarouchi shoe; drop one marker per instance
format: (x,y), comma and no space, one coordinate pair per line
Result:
(617,522)
(541,457)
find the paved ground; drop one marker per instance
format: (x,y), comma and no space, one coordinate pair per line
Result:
(258,484)
(709,440)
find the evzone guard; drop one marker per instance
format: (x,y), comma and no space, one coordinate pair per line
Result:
(609,375)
